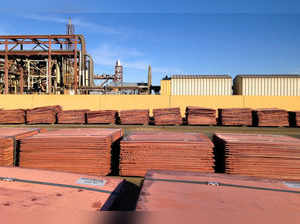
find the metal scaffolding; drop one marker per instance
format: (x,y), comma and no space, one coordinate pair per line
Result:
(43,64)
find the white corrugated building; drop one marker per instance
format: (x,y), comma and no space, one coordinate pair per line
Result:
(201,85)
(267,85)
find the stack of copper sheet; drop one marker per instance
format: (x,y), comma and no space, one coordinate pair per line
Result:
(55,197)
(186,197)
(297,118)
(85,151)
(6,151)
(235,116)
(143,151)
(12,116)
(269,156)
(20,133)
(134,117)
(271,117)
(9,138)
(42,115)
(200,116)
(102,117)
(71,117)
(167,116)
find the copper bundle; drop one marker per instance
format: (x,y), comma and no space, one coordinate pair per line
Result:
(102,117)
(143,151)
(134,117)
(9,139)
(55,197)
(85,151)
(6,151)
(167,116)
(268,156)
(200,116)
(12,116)
(271,117)
(184,197)
(42,115)
(235,116)
(71,117)
(297,118)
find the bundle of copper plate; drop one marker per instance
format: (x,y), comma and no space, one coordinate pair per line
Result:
(200,116)
(271,118)
(20,133)
(167,116)
(9,138)
(268,156)
(55,197)
(6,151)
(143,151)
(72,117)
(235,116)
(85,151)
(297,118)
(12,116)
(102,117)
(42,115)
(134,117)
(185,197)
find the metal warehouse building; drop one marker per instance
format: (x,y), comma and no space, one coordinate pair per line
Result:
(201,85)
(267,85)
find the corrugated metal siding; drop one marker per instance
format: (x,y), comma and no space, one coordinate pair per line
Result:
(268,86)
(212,86)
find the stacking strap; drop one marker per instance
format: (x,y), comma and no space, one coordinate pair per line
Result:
(224,185)
(8,179)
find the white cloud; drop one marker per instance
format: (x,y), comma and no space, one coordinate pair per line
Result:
(76,21)
(132,58)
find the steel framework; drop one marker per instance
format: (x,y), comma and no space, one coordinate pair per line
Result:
(42,63)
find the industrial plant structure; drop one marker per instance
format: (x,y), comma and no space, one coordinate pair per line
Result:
(56,64)
(60,64)
(44,63)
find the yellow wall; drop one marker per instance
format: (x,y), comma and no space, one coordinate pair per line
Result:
(291,103)
(127,102)
(165,87)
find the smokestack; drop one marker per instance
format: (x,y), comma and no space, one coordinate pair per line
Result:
(149,79)
(118,72)
(70,31)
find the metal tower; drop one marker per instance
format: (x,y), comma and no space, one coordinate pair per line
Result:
(118,77)
(70,31)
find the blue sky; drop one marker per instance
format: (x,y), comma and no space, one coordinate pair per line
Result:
(175,37)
